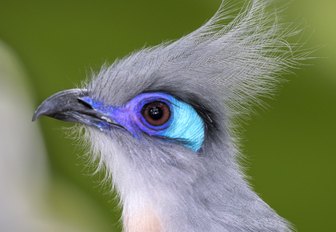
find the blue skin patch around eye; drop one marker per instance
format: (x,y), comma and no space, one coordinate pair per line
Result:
(184,124)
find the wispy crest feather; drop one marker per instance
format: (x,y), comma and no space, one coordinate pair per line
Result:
(244,57)
(237,61)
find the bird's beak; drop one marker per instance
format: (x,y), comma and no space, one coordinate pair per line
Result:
(69,106)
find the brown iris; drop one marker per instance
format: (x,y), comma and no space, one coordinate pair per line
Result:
(156,113)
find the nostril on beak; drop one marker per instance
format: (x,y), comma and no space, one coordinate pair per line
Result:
(84,103)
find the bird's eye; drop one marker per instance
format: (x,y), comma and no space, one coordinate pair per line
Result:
(156,113)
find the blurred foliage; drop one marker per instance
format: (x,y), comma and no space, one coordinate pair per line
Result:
(290,147)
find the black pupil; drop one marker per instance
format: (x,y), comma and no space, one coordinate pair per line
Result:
(155,113)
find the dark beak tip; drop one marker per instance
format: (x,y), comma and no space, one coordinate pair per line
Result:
(38,113)
(35,116)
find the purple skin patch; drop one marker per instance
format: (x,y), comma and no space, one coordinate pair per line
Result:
(130,116)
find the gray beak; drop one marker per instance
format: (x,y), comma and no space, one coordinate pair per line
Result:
(68,106)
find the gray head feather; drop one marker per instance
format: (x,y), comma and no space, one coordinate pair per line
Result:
(219,69)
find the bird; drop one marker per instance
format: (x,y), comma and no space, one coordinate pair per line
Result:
(163,122)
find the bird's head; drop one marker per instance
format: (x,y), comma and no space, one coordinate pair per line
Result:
(149,113)
(160,118)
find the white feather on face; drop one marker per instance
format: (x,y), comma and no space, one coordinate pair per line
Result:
(218,69)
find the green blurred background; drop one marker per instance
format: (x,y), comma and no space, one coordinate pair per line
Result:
(290,146)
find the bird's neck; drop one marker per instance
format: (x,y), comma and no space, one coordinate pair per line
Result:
(174,197)
(212,202)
